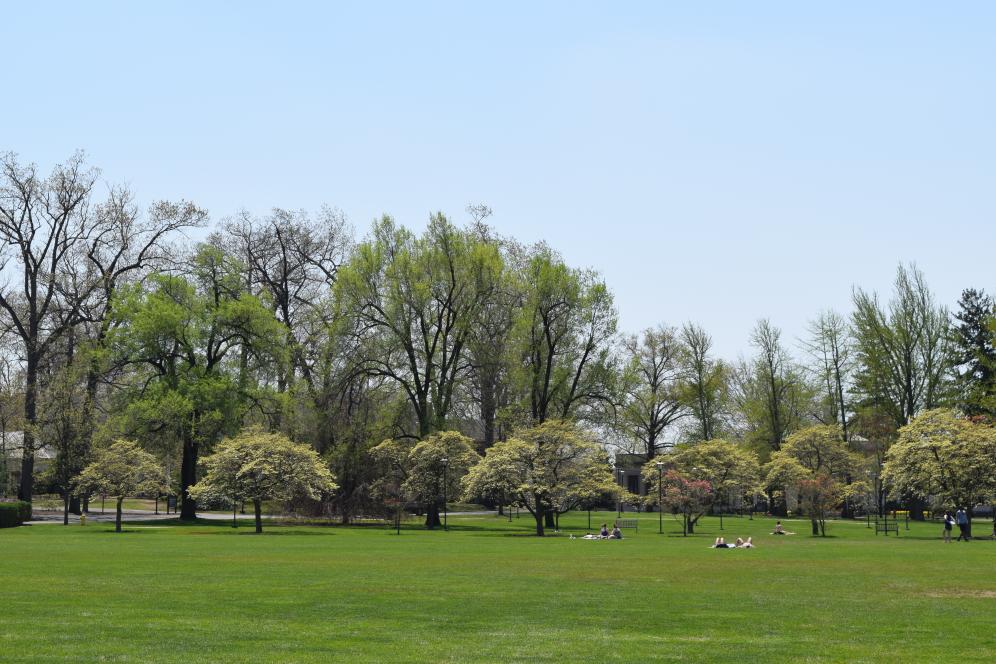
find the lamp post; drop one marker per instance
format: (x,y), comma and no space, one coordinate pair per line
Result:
(446,463)
(660,497)
(722,505)
(619,476)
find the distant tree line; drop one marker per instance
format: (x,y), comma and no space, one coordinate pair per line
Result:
(392,352)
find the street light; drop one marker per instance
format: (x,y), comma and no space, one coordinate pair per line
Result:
(660,497)
(619,479)
(446,463)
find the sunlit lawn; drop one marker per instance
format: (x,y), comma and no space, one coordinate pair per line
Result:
(486,591)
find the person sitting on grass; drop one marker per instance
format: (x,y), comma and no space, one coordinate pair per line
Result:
(616,533)
(778,529)
(604,532)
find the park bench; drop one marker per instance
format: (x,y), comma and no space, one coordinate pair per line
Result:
(886,526)
(629,523)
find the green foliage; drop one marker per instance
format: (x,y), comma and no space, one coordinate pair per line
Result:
(14,513)
(562,337)
(192,343)
(415,299)
(771,393)
(420,471)
(974,342)
(903,350)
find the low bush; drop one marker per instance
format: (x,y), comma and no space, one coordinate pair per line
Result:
(14,513)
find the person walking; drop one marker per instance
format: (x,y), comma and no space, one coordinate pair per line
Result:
(962,518)
(948,524)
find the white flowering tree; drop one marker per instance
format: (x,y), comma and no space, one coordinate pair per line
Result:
(120,470)
(549,469)
(257,465)
(943,455)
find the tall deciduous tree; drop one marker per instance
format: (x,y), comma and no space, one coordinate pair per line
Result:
(416,299)
(181,337)
(45,223)
(652,388)
(705,385)
(829,347)
(563,334)
(772,394)
(293,259)
(902,350)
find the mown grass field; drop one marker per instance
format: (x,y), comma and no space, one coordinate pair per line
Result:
(488,592)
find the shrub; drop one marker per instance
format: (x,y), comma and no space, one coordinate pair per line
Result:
(14,514)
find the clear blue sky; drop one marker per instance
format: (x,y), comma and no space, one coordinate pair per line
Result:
(715,161)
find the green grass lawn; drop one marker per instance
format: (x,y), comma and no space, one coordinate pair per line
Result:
(486,591)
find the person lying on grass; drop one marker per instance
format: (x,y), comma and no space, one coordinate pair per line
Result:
(740,544)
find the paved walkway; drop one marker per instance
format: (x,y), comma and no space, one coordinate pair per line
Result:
(41,517)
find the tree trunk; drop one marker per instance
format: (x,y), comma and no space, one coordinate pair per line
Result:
(539,522)
(690,525)
(778,507)
(432,516)
(117,518)
(915,506)
(188,477)
(816,526)
(548,520)
(257,507)
(26,487)
(65,508)
(74,505)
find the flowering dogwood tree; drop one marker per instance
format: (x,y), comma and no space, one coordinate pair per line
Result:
(688,497)
(943,455)
(120,470)
(549,469)
(257,465)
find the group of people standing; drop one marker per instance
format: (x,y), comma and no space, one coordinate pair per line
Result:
(961,518)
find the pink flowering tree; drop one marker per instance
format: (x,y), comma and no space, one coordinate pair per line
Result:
(687,497)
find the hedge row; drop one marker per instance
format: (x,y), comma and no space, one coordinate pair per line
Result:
(14,514)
